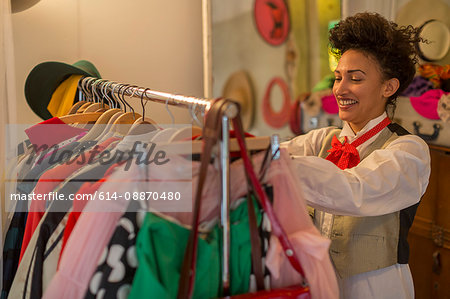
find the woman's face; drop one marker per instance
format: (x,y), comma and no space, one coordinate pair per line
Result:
(359,89)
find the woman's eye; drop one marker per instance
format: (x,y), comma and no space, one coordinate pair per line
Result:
(356,79)
(337,79)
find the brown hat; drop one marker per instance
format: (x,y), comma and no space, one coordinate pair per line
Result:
(239,88)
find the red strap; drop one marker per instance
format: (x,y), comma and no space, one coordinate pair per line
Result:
(372,132)
(277,229)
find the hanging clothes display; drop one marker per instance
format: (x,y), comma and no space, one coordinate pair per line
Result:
(111,240)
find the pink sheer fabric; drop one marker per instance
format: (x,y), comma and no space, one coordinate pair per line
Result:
(290,208)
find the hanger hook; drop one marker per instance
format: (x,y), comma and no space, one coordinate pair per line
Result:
(94,90)
(168,111)
(131,95)
(80,89)
(193,111)
(121,96)
(113,93)
(96,87)
(104,92)
(91,88)
(86,89)
(144,93)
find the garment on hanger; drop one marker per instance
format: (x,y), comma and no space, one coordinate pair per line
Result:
(118,263)
(52,178)
(159,261)
(28,178)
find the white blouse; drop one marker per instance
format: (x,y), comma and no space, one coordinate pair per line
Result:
(386,181)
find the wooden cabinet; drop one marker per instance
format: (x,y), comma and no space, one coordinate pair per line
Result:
(429,237)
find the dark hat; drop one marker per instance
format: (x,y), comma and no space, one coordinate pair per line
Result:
(46,77)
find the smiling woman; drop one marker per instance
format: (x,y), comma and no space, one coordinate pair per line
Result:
(364,182)
(360,90)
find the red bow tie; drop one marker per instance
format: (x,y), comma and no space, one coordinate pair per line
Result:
(345,155)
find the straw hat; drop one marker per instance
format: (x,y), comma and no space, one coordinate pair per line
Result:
(432,18)
(239,88)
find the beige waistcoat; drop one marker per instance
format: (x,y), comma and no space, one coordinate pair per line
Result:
(362,244)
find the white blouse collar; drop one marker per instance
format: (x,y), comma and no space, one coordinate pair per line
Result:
(348,132)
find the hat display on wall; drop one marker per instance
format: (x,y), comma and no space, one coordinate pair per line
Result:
(432,17)
(426,104)
(239,88)
(272,20)
(329,103)
(417,87)
(44,79)
(443,108)
(276,119)
(437,35)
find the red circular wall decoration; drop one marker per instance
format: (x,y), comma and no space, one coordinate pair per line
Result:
(272,20)
(280,118)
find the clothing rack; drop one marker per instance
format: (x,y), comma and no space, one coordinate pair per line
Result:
(91,83)
(96,86)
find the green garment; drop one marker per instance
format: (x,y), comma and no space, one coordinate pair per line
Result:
(160,250)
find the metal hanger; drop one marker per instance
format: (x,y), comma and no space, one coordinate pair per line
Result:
(88,95)
(98,104)
(143,124)
(124,122)
(193,112)
(170,113)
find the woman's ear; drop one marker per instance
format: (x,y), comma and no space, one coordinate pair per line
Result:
(390,87)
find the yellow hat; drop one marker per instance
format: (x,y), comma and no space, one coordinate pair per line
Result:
(63,96)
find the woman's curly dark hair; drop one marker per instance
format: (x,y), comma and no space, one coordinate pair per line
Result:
(394,47)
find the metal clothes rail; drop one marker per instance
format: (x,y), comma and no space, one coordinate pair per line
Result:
(100,86)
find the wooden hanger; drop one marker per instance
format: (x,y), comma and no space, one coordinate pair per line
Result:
(95,106)
(83,107)
(186,133)
(142,125)
(76,106)
(81,118)
(124,122)
(109,124)
(164,135)
(100,125)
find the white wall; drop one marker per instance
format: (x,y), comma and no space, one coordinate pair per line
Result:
(150,43)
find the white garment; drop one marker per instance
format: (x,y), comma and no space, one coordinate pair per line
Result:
(386,181)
